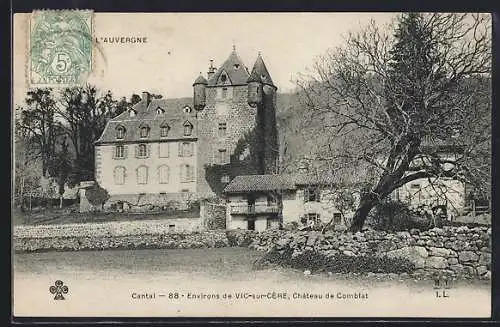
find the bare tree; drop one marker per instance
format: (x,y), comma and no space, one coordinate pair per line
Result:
(388,94)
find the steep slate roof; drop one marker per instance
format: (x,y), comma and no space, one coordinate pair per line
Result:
(237,76)
(259,69)
(253,183)
(174,116)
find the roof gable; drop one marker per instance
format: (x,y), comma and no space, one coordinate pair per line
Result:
(235,70)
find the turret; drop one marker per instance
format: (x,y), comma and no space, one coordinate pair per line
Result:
(254,95)
(199,89)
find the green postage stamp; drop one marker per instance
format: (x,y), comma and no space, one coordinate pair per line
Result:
(60,50)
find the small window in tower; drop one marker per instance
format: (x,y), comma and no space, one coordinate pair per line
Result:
(263,77)
(224,92)
(236,66)
(222,129)
(223,78)
(187,109)
(225,179)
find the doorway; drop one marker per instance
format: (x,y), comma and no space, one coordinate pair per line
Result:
(251,224)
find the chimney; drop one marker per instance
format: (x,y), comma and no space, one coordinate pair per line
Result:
(211,69)
(146,97)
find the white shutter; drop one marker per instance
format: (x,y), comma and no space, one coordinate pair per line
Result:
(125,151)
(136,147)
(149,150)
(180,149)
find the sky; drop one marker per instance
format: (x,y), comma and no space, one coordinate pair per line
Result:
(179,46)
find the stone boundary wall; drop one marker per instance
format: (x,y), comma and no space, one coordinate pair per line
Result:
(458,251)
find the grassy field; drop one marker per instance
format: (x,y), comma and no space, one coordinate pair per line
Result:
(102,283)
(70,215)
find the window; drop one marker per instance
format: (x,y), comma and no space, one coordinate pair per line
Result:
(164,130)
(132,113)
(187,109)
(142,150)
(160,111)
(222,129)
(222,157)
(164,150)
(313,217)
(120,132)
(119,174)
(144,132)
(120,151)
(224,92)
(187,174)
(186,149)
(312,194)
(163,174)
(142,175)
(415,186)
(188,128)
(223,78)
(337,217)
(225,179)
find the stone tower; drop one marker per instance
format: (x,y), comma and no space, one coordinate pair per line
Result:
(236,119)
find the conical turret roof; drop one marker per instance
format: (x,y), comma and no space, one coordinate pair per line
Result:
(200,80)
(259,69)
(235,70)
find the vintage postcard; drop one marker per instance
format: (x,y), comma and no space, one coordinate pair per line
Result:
(251,164)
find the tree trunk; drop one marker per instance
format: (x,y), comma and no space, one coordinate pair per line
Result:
(365,206)
(60,201)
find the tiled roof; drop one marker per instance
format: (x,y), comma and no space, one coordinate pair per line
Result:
(259,69)
(235,69)
(200,80)
(249,183)
(173,115)
(252,183)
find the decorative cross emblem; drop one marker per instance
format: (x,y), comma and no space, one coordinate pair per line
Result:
(59,289)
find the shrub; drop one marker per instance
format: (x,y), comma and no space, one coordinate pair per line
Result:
(397,216)
(96,195)
(339,263)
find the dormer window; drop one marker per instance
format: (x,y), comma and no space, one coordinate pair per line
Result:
(236,66)
(160,111)
(187,109)
(120,132)
(144,131)
(223,78)
(132,113)
(164,130)
(188,128)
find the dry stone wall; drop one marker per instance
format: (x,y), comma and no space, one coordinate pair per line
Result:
(458,251)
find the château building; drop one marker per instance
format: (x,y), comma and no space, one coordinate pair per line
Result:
(164,150)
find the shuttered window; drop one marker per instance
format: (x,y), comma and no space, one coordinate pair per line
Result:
(186,149)
(164,150)
(187,174)
(142,175)
(163,174)
(119,175)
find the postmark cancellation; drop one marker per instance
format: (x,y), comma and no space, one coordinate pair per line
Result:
(60,47)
